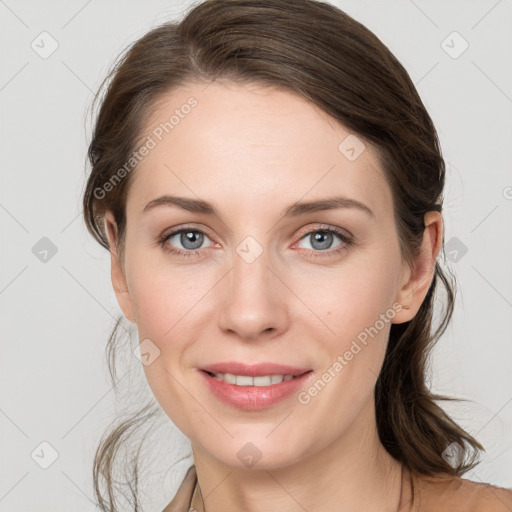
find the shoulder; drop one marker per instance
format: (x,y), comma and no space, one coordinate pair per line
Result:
(456,494)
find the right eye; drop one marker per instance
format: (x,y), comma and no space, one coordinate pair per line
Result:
(190,240)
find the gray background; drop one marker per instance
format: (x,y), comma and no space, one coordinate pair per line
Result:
(56,314)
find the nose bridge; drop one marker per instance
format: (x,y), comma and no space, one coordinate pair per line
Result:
(250,263)
(250,278)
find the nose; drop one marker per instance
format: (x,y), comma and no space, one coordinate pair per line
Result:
(254,299)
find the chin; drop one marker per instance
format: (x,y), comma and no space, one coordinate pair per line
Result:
(244,453)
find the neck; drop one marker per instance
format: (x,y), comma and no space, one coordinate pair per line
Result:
(353,473)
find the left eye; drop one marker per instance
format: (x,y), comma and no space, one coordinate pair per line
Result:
(189,239)
(322,239)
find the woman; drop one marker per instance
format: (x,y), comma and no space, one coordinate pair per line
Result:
(269,185)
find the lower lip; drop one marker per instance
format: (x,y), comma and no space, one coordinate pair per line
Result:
(253,397)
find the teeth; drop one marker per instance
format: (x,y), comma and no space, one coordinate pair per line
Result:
(245,380)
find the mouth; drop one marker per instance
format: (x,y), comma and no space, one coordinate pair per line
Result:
(241,369)
(254,388)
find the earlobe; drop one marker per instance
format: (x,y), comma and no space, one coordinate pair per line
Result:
(417,278)
(118,277)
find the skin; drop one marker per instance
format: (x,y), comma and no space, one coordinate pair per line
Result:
(251,151)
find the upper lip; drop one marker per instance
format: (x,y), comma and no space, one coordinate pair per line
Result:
(254,370)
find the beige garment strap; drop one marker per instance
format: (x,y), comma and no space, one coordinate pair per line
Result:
(196,504)
(183,497)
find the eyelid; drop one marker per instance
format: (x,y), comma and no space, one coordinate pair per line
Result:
(324,227)
(192,227)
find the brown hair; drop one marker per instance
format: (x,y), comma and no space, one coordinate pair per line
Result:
(316,50)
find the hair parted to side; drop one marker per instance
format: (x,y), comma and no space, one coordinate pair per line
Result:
(316,50)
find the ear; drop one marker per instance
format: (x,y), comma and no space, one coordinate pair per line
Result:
(416,279)
(117,273)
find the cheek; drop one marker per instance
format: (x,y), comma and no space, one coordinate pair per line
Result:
(353,296)
(166,302)
(353,316)
(163,296)
(356,306)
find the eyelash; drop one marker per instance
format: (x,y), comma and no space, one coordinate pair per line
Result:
(346,242)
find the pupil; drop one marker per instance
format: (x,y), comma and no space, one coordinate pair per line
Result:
(325,239)
(189,237)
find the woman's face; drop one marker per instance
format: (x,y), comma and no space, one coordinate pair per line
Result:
(260,280)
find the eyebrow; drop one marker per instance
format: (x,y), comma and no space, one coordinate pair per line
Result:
(293,210)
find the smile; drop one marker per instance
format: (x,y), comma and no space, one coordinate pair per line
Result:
(252,393)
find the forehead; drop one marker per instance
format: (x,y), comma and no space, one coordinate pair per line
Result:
(250,143)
